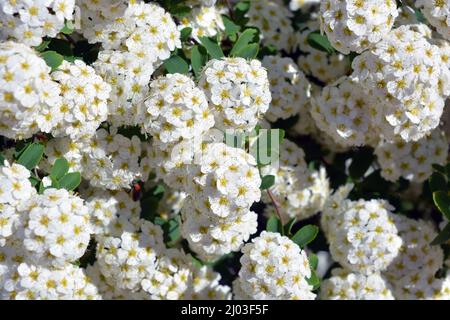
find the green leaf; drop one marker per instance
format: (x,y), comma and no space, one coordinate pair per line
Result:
(70,181)
(242,6)
(68,27)
(60,168)
(185,33)
(320,42)
(267,182)
(158,190)
(2,160)
(176,64)
(173,231)
(198,59)
(313,261)
(288,226)
(41,188)
(212,47)
(314,280)
(53,59)
(274,225)
(443,236)
(34,181)
(249,52)
(244,39)
(180,11)
(55,183)
(44,44)
(305,235)
(231,28)
(437,182)
(31,156)
(442,201)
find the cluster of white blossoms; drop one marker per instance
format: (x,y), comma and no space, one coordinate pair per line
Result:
(272,19)
(139,266)
(412,160)
(25,281)
(364,237)
(175,110)
(29,99)
(347,113)
(107,159)
(28,21)
(134,155)
(204,21)
(112,212)
(344,285)
(238,92)
(83,106)
(137,38)
(57,230)
(222,187)
(288,86)
(412,273)
(15,192)
(405,73)
(356,25)
(437,14)
(273,268)
(298,191)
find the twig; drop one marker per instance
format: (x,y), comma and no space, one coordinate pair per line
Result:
(230,9)
(275,204)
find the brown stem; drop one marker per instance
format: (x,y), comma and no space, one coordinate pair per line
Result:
(275,204)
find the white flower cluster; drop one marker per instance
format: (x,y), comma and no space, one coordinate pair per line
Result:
(28,21)
(137,265)
(298,191)
(107,159)
(363,237)
(273,267)
(405,73)
(137,38)
(29,282)
(356,25)
(347,113)
(288,86)
(412,160)
(112,212)
(204,21)
(344,285)
(272,19)
(223,185)
(175,110)
(238,91)
(15,192)
(29,99)
(412,273)
(437,14)
(84,100)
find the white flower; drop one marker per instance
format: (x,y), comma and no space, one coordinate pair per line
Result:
(237,90)
(356,25)
(413,160)
(29,21)
(437,14)
(288,86)
(344,285)
(29,99)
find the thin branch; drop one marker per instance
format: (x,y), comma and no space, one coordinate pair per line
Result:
(275,204)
